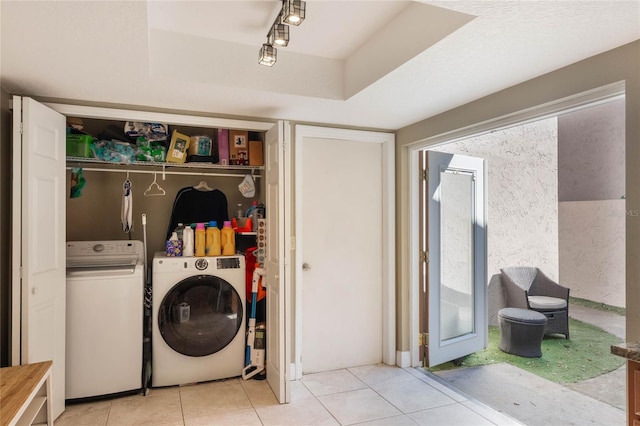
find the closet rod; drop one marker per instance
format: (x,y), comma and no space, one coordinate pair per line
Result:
(167,172)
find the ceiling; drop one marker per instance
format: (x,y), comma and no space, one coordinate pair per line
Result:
(372,64)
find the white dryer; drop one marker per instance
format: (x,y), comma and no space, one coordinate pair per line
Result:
(198,318)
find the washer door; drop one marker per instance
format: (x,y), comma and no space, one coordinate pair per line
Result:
(200,315)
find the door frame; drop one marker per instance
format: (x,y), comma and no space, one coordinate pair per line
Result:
(387,140)
(587,98)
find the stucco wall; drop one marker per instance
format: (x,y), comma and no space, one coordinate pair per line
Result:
(591,170)
(522,176)
(592,249)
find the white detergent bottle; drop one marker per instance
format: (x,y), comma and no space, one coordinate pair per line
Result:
(187,241)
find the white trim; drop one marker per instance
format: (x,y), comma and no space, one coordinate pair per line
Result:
(403,359)
(413,161)
(16,237)
(586,99)
(581,100)
(388,233)
(158,117)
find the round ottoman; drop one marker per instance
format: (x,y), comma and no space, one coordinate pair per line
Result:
(521,331)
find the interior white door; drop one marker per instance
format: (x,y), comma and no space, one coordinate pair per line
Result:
(455,204)
(342,248)
(39,276)
(278,350)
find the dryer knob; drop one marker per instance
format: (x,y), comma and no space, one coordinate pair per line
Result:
(201,264)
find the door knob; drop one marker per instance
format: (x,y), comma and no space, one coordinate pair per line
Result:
(306,267)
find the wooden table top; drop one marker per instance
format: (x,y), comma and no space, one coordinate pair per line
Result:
(16,384)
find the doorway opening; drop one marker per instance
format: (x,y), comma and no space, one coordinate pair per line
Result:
(556,198)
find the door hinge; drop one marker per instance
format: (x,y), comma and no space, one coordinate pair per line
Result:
(293,243)
(425,175)
(21,127)
(424,256)
(423,339)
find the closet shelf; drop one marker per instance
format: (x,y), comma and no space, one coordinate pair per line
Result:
(194,168)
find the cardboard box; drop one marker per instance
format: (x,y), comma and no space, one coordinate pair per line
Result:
(223,146)
(238,147)
(177,152)
(256,153)
(200,145)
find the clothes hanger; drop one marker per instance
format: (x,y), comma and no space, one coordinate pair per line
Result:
(202,186)
(149,192)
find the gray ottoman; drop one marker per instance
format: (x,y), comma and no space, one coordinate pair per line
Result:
(521,331)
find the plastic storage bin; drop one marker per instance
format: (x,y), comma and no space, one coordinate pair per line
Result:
(79,146)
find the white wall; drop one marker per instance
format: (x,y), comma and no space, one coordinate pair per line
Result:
(522,194)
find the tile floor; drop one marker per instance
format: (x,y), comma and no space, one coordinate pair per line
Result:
(369,395)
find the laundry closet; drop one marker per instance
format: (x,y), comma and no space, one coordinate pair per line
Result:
(95,214)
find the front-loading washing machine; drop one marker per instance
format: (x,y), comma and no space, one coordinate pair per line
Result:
(198,318)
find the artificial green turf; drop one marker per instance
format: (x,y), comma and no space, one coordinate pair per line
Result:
(587,354)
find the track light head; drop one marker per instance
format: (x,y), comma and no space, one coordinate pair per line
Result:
(279,35)
(293,11)
(268,55)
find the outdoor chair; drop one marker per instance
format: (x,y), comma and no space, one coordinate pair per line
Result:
(528,287)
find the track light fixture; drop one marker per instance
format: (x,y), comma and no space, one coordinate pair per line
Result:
(279,35)
(268,55)
(292,12)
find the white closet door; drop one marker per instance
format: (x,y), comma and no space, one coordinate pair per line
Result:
(278,351)
(39,237)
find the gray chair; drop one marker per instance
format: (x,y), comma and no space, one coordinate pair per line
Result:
(527,287)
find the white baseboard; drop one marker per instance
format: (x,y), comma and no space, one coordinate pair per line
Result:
(403,359)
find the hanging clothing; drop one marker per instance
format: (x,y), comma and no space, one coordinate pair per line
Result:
(193,206)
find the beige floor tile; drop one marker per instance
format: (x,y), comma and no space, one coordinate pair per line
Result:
(412,395)
(299,391)
(163,391)
(212,398)
(87,414)
(380,374)
(245,417)
(259,392)
(306,412)
(161,409)
(455,414)
(329,382)
(358,406)
(402,420)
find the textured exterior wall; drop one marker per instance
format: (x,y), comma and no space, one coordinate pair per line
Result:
(591,172)
(522,194)
(592,250)
(591,153)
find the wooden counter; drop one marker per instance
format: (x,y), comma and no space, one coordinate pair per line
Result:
(24,390)
(631,351)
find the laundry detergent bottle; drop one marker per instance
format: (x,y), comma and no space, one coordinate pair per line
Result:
(228,239)
(213,244)
(200,240)
(187,241)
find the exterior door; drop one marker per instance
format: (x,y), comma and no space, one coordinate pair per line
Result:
(278,347)
(38,217)
(453,213)
(343,246)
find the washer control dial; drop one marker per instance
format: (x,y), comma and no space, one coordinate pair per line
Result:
(201,264)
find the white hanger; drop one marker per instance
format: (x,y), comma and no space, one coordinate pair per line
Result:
(154,187)
(202,186)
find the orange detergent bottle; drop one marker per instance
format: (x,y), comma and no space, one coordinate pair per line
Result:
(228,239)
(213,245)
(200,240)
